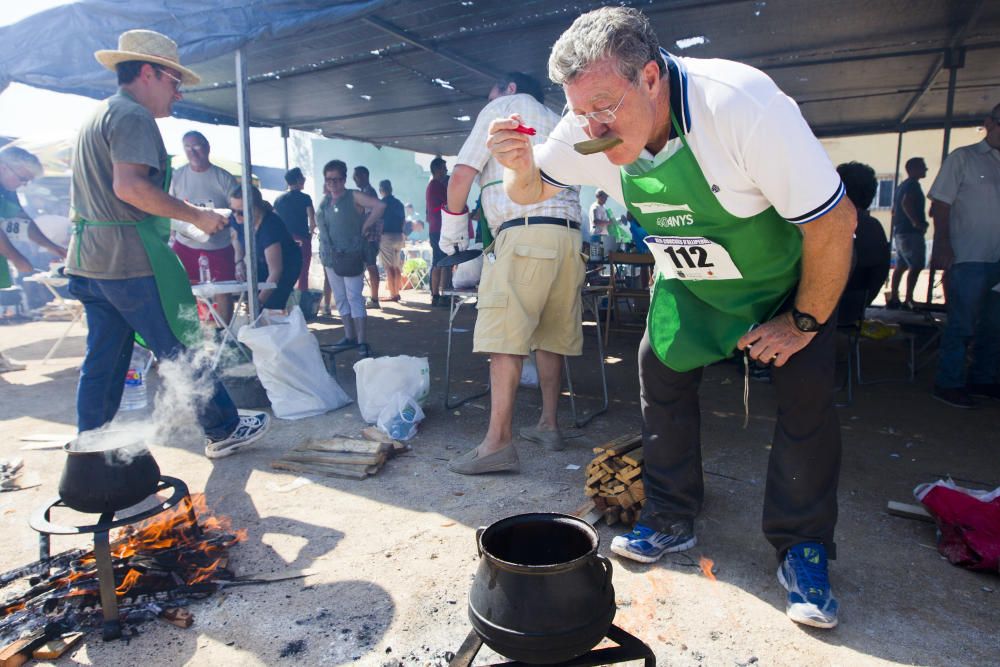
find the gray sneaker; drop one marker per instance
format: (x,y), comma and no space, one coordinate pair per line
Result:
(551,440)
(252,426)
(470,463)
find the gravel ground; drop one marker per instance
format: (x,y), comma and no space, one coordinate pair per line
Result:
(394,555)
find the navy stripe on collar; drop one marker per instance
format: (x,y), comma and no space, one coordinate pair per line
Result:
(678,89)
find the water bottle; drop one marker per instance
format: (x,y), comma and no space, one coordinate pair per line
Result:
(204,274)
(134,395)
(402,423)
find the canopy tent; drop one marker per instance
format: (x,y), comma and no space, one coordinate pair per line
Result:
(412,73)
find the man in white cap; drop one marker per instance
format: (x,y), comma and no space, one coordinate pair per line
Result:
(120,266)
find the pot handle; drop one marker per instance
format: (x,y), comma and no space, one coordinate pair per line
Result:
(607,569)
(479,535)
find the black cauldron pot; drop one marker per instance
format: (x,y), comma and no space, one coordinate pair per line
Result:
(97,480)
(542,593)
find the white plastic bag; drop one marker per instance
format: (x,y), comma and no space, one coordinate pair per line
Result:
(381,377)
(290,367)
(400,417)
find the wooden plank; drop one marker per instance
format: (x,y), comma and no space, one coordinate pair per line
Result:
(590,491)
(637,490)
(630,474)
(621,444)
(600,458)
(178,616)
(611,515)
(335,458)
(625,499)
(916,512)
(594,479)
(352,445)
(376,434)
(18,652)
(634,457)
(583,509)
(54,648)
(351,472)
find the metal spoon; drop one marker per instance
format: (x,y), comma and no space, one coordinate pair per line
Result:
(588,147)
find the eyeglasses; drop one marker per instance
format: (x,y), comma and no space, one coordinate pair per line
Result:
(20,177)
(602,116)
(177,82)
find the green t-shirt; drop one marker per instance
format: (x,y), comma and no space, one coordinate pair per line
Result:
(121,130)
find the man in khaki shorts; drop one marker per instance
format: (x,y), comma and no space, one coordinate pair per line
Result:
(529,293)
(391,246)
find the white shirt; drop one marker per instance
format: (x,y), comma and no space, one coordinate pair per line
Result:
(749,138)
(969,181)
(598,219)
(497,205)
(206,189)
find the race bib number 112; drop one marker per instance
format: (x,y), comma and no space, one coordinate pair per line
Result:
(692,258)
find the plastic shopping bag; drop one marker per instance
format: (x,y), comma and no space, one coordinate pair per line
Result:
(968,523)
(381,377)
(400,417)
(290,367)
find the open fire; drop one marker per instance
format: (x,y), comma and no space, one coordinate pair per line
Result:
(162,563)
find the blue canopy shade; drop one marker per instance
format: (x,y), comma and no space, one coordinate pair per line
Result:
(412,73)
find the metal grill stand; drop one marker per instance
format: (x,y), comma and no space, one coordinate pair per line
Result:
(102,549)
(629,648)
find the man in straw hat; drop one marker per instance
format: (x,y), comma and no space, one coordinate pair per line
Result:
(120,266)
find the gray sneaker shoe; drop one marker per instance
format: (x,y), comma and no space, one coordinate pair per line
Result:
(551,440)
(470,463)
(252,426)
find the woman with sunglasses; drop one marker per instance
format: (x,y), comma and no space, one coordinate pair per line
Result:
(278,257)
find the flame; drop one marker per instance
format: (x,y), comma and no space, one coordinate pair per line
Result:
(130,580)
(706,565)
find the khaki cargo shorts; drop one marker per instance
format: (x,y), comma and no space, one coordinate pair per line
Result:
(390,250)
(529,297)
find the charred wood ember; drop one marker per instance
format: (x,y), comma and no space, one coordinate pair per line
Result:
(167,561)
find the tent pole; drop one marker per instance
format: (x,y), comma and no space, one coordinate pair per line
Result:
(954,60)
(243,111)
(284,138)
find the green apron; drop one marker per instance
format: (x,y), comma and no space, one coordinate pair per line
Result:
(8,210)
(172,281)
(717,274)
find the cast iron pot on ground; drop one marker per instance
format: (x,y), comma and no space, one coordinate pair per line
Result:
(107,480)
(542,593)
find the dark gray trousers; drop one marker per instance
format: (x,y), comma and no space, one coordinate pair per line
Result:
(800,501)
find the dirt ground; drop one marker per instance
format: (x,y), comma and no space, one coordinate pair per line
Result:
(395,554)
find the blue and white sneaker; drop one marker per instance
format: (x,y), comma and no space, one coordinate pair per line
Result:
(804,575)
(647,545)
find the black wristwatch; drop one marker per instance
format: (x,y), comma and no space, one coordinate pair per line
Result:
(805,322)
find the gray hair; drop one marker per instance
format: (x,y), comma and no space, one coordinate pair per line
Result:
(14,156)
(623,34)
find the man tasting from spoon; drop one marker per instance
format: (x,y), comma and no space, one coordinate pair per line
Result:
(752,240)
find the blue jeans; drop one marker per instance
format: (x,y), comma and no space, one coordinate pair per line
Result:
(116,309)
(973,314)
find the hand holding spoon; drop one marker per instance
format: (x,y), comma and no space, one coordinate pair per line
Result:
(588,147)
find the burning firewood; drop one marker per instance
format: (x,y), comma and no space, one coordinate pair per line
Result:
(164,562)
(614,480)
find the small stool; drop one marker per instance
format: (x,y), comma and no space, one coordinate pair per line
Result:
(330,353)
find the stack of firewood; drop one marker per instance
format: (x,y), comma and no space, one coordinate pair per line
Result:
(614,479)
(341,456)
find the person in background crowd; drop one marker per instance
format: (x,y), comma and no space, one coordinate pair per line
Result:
(391,247)
(205,185)
(18,167)
(518,312)
(344,228)
(295,208)
(600,217)
(436,200)
(373,236)
(752,241)
(415,229)
(120,266)
(871,247)
(966,207)
(909,226)
(279,258)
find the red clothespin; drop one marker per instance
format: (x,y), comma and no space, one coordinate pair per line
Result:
(524,129)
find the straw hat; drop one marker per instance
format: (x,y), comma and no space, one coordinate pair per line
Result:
(147,46)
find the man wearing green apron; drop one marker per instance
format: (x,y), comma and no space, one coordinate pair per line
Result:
(120,267)
(752,239)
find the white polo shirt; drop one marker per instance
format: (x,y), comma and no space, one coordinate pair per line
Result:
(498,206)
(749,138)
(969,181)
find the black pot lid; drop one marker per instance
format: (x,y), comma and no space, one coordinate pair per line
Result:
(460,257)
